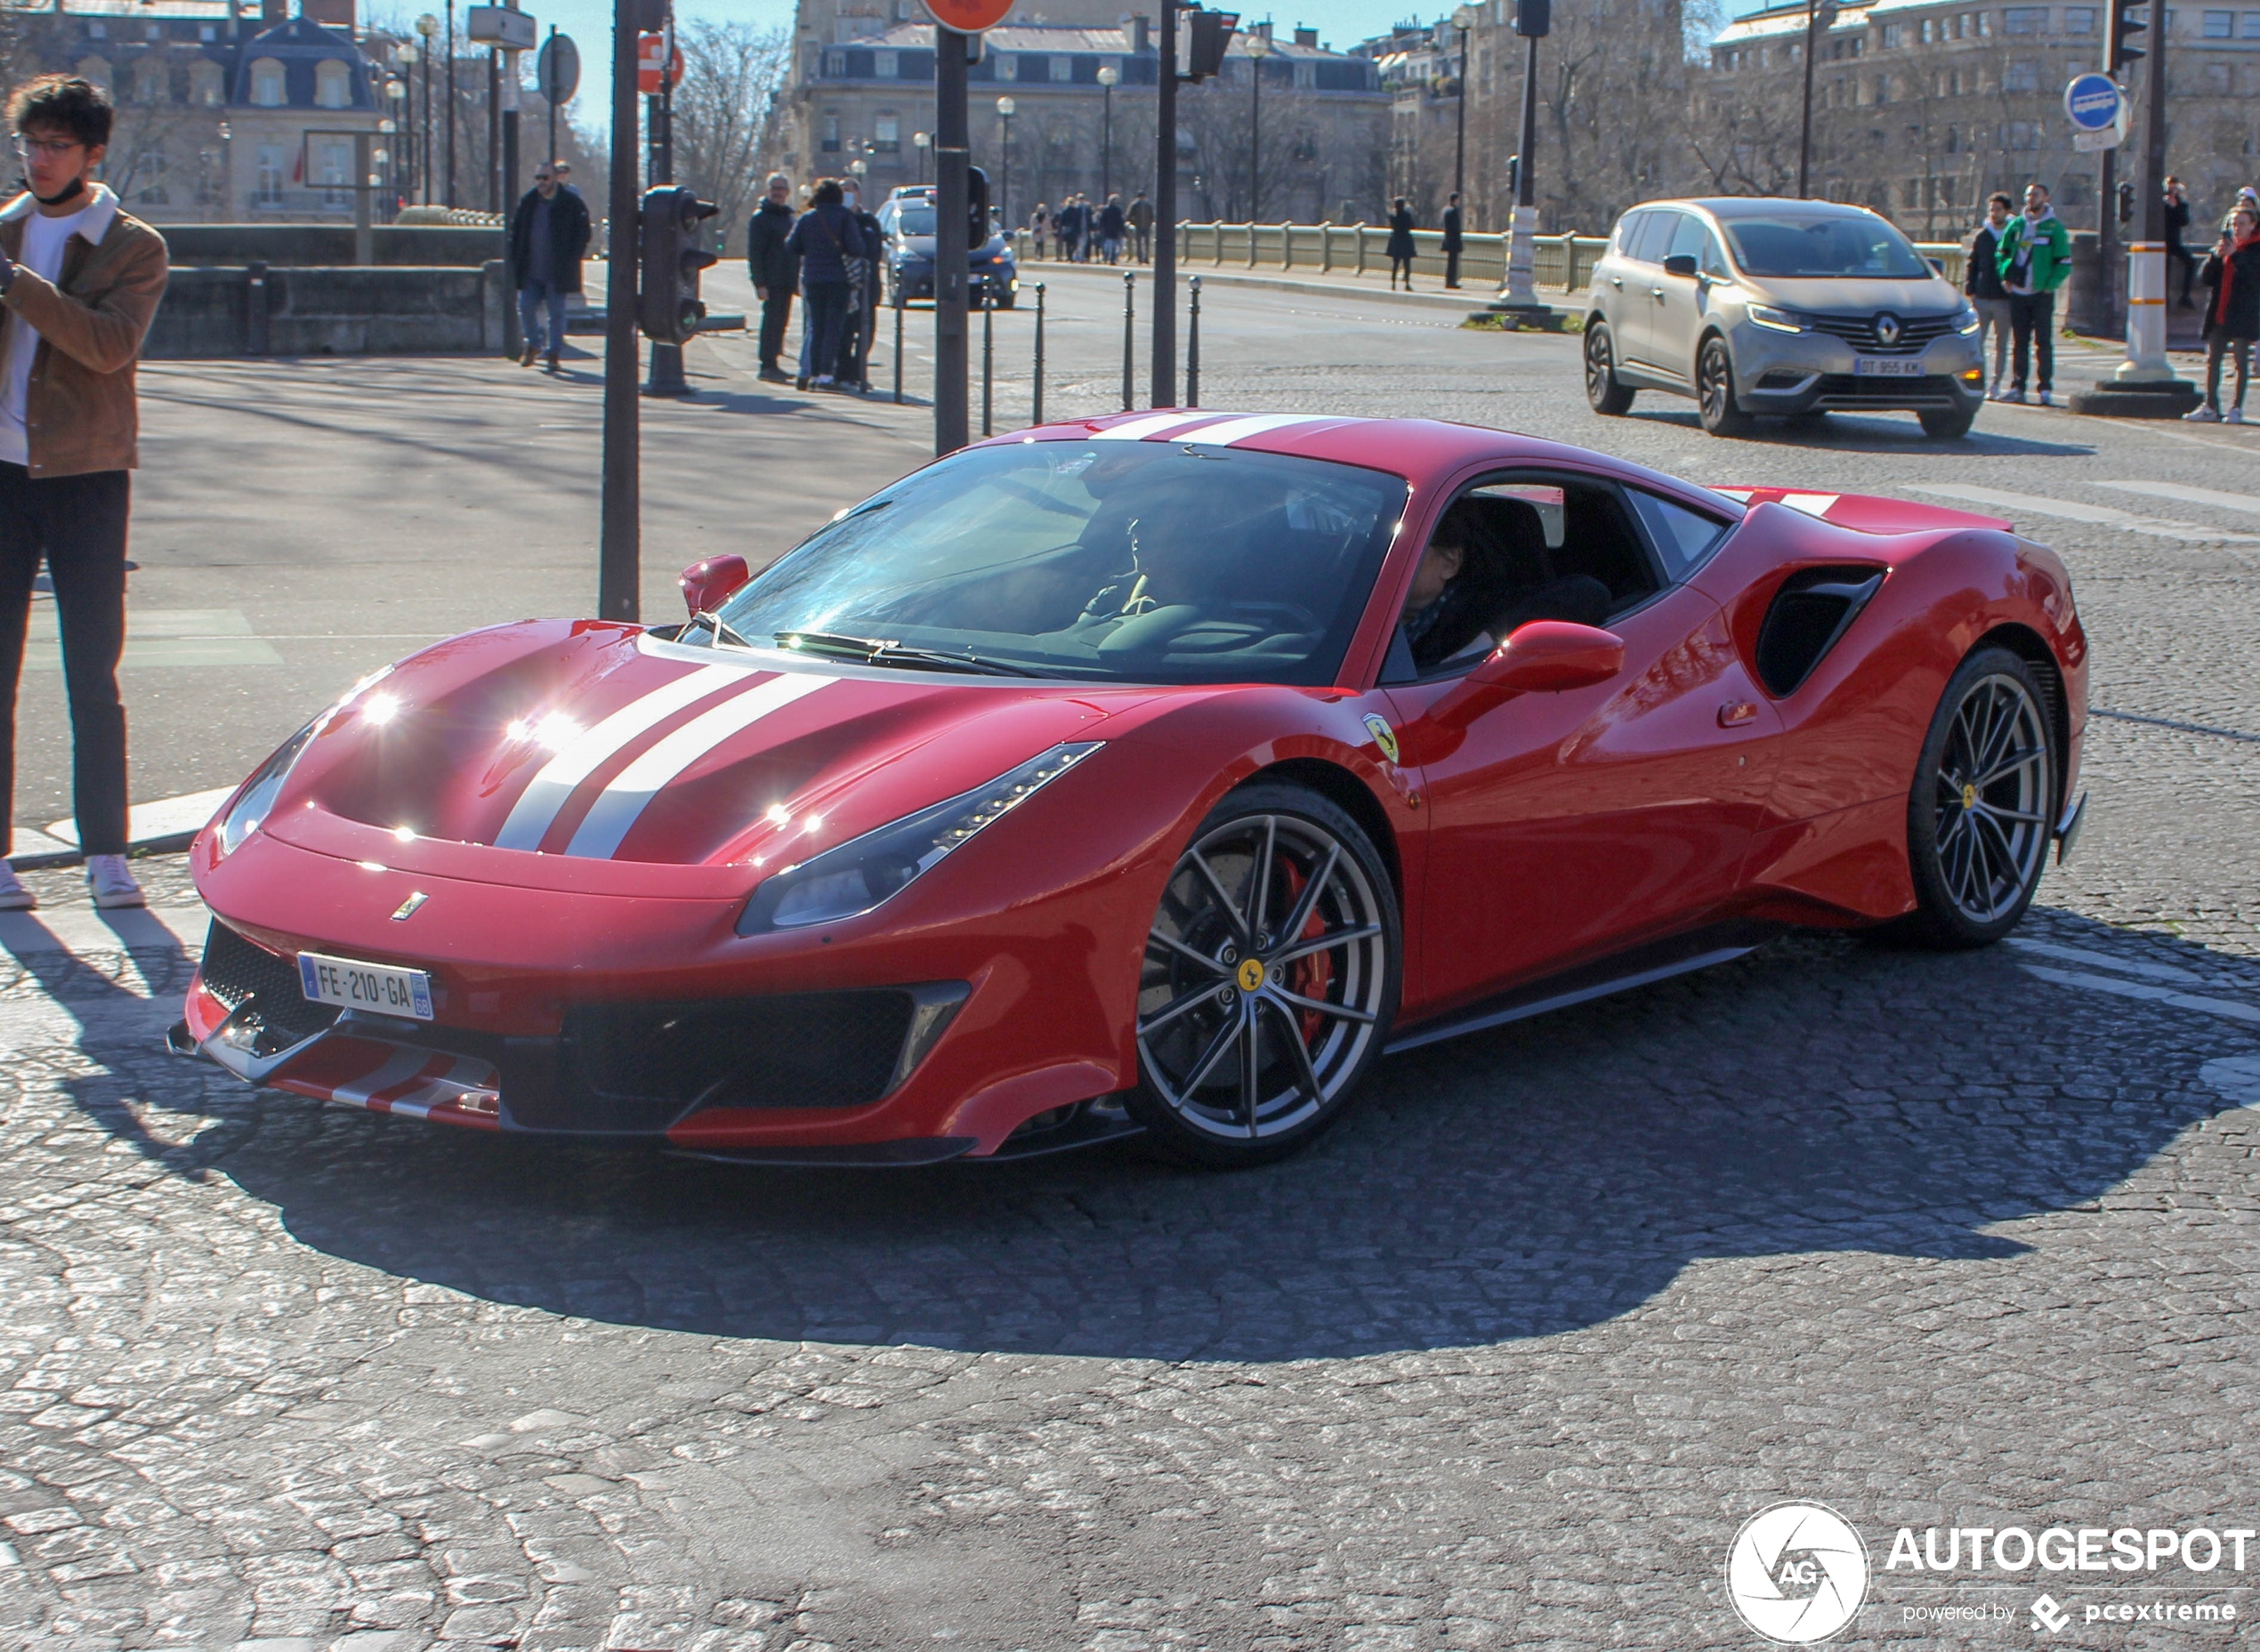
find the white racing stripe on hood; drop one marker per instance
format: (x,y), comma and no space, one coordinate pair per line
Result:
(621,804)
(1236,430)
(1152,425)
(553,786)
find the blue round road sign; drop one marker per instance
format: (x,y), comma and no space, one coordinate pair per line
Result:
(2092,100)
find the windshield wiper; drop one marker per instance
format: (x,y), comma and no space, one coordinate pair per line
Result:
(885,652)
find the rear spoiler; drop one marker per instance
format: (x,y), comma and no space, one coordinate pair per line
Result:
(1866,513)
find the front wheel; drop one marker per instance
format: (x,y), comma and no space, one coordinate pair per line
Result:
(1720,413)
(1271,978)
(1608,394)
(1947,423)
(1978,820)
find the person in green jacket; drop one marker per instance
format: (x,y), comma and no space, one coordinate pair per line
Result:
(2035,258)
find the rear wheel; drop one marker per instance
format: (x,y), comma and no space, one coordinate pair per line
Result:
(1978,820)
(1607,393)
(1271,978)
(1947,423)
(1721,413)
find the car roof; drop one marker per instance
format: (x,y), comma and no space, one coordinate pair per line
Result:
(1425,452)
(1759,206)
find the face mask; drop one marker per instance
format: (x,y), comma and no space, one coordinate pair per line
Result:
(848,200)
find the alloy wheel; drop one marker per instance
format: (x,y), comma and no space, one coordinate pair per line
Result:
(1992,799)
(1266,977)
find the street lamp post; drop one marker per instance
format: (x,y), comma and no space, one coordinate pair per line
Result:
(427,25)
(1462,20)
(1259,47)
(1819,16)
(1005,108)
(451,103)
(403,95)
(1533,20)
(922,142)
(227,170)
(1108,76)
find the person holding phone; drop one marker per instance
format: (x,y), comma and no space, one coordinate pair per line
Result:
(2231,276)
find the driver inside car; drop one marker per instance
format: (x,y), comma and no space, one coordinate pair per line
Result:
(1486,571)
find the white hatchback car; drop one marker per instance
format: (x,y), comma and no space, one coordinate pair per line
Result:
(1761,306)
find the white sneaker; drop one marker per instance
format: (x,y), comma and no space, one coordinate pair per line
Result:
(2202,415)
(2015,395)
(112,884)
(2234,416)
(2047,399)
(14,896)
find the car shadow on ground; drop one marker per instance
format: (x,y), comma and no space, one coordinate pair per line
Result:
(1839,432)
(1824,1094)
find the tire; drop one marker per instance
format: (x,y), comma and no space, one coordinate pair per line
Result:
(1810,421)
(1714,402)
(1977,844)
(1326,981)
(1608,394)
(1947,423)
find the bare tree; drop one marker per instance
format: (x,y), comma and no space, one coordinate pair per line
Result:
(727,110)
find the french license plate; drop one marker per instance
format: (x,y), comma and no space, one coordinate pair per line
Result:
(379,987)
(1887,367)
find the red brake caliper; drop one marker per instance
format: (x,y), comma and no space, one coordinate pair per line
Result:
(1312,974)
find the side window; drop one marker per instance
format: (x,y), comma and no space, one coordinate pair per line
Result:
(1628,228)
(1715,258)
(1688,239)
(1655,235)
(1511,549)
(1682,537)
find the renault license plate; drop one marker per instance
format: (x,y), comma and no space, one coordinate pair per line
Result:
(1887,367)
(379,987)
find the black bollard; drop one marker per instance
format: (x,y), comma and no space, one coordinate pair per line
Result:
(1036,412)
(897,347)
(1192,349)
(988,359)
(1129,340)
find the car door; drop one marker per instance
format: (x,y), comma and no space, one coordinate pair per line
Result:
(1565,825)
(1679,305)
(1615,279)
(1644,271)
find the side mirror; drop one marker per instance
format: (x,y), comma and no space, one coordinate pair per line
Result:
(1680,264)
(1547,656)
(706,586)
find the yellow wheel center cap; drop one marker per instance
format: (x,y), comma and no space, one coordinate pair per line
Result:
(1969,797)
(1251,974)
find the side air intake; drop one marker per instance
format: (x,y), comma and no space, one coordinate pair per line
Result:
(1814,608)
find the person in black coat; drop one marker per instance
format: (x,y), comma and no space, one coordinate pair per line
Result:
(1453,241)
(824,239)
(1111,227)
(863,297)
(1981,280)
(2177,225)
(548,233)
(775,269)
(2231,276)
(1400,244)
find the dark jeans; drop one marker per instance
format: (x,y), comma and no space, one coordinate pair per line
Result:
(2238,350)
(2182,255)
(1451,266)
(2032,320)
(533,298)
(823,313)
(776,310)
(78,523)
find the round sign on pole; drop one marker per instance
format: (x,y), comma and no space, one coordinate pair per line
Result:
(969,17)
(649,50)
(558,69)
(2093,101)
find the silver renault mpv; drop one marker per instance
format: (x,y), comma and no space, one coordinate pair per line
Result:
(1761,306)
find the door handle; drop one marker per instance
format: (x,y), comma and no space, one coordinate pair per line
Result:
(1657,293)
(1734,713)
(1617,282)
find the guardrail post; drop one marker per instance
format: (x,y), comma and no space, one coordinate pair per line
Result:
(1036,412)
(1192,349)
(1251,246)
(1286,245)
(1360,232)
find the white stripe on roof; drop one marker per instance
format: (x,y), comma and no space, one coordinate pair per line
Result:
(1239,430)
(1152,425)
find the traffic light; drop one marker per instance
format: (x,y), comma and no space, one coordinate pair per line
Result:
(1207,35)
(977,229)
(2123,24)
(1533,18)
(667,307)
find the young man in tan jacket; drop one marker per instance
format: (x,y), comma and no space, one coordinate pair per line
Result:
(79,280)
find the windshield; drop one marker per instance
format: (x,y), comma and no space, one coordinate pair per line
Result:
(915,221)
(1112,561)
(1832,246)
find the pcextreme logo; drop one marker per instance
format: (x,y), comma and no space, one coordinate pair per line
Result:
(1797,1573)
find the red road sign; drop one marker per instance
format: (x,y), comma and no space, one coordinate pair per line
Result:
(969,17)
(649,50)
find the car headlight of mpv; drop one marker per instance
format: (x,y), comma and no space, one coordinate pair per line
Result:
(859,874)
(1775,320)
(1967,321)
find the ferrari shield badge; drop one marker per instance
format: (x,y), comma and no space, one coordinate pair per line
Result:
(1383,735)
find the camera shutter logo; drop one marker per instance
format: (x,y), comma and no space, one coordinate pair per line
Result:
(1797,1573)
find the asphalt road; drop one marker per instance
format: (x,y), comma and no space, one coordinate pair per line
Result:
(1937,1241)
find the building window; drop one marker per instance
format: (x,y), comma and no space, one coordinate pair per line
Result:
(886,65)
(830,142)
(207,31)
(1984,24)
(204,82)
(886,135)
(150,81)
(95,69)
(836,66)
(269,187)
(98,30)
(1063,68)
(2079,19)
(2252,24)
(1890,36)
(336,168)
(148,178)
(2220,25)
(2020,76)
(266,82)
(332,84)
(1883,88)
(153,31)
(2025,19)
(1927,30)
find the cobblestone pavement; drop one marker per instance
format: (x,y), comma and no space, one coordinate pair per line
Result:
(1938,1240)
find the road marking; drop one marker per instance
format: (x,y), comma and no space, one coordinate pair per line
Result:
(2075,954)
(82,929)
(167,816)
(2249,503)
(156,638)
(2072,511)
(2226,1008)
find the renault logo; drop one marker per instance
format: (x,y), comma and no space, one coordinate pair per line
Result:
(1887,328)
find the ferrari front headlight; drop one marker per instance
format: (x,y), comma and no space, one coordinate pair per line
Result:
(861,874)
(256,800)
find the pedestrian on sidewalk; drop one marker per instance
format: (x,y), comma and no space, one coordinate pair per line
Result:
(1452,240)
(775,268)
(1140,217)
(1112,225)
(1071,228)
(2231,277)
(2177,225)
(2035,259)
(79,279)
(549,234)
(1400,244)
(863,296)
(1981,280)
(825,236)
(1039,222)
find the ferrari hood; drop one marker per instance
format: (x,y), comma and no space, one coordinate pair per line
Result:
(602,742)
